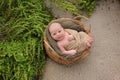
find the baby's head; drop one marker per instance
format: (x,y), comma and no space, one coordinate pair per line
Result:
(57,31)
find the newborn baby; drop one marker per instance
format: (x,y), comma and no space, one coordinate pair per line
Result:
(64,37)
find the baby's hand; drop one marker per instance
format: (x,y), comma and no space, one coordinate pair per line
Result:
(73,52)
(71,37)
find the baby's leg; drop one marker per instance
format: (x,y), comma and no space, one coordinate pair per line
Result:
(86,38)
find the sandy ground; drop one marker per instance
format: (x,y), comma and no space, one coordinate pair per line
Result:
(103,63)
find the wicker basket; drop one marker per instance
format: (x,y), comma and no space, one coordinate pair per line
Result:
(60,59)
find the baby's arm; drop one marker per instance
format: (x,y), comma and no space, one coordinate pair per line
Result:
(71,52)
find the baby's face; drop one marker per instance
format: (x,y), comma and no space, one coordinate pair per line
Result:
(56,31)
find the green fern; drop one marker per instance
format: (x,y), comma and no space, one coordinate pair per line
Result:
(22,23)
(77,6)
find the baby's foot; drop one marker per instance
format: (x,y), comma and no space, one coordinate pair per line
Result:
(89,42)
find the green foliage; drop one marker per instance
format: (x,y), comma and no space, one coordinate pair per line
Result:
(67,6)
(88,5)
(21,60)
(22,23)
(74,6)
(24,19)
